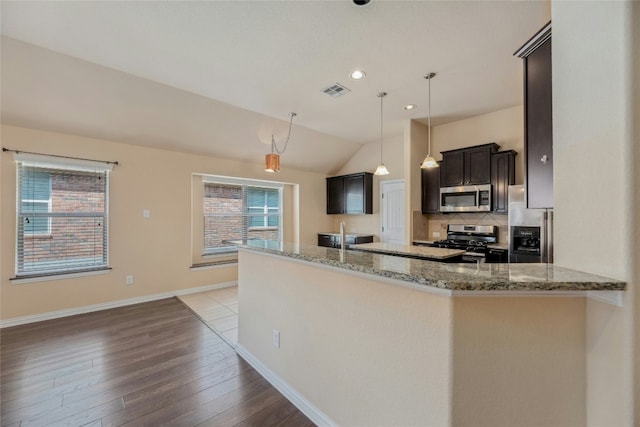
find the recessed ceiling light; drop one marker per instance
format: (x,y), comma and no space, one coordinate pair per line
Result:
(409,107)
(357,75)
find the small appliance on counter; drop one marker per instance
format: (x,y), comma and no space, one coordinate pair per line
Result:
(530,230)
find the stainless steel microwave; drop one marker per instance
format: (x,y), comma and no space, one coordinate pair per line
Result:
(471,198)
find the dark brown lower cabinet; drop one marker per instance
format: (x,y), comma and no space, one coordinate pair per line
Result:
(333,240)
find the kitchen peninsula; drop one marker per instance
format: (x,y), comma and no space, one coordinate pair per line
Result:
(357,338)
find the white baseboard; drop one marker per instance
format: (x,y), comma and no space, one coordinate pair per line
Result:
(306,407)
(107,305)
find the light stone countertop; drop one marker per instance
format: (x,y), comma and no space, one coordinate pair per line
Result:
(452,277)
(410,250)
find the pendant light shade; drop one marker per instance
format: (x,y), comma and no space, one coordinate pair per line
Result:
(429,161)
(272,161)
(381,169)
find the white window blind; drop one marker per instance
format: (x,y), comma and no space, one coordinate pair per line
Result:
(237,212)
(61,218)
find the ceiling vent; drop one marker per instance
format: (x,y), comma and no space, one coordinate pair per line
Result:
(336,90)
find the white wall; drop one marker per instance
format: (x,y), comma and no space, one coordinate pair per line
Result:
(363,352)
(596,202)
(156,251)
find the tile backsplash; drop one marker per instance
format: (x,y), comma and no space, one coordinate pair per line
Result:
(424,226)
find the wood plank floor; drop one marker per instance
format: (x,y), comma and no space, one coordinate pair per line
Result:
(148,364)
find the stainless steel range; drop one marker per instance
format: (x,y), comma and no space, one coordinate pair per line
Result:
(472,238)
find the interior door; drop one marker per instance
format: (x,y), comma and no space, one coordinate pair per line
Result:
(392,212)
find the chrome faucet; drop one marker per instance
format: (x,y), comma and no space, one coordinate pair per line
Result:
(342,225)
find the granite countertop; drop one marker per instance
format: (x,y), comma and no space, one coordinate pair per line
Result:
(452,277)
(416,251)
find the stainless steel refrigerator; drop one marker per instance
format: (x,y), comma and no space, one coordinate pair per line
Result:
(530,230)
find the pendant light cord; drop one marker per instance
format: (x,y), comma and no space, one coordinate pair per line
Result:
(274,147)
(429,77)
(429,112)
(381,95)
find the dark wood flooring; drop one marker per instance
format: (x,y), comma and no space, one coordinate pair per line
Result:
(148,364)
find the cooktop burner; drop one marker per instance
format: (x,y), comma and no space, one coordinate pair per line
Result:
(472,238)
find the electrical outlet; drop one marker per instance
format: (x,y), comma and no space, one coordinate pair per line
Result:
(146,213)
(129,280)
(436,234)
(276,338)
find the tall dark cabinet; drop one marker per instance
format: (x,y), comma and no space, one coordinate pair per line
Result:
(431,190)
(350,194)
(503,174)
(538,122)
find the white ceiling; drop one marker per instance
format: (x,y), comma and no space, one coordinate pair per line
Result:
(201,76)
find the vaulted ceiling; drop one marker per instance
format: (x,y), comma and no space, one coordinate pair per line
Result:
(219,77)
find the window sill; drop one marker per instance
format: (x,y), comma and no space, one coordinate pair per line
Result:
(58,276)
(227,251)
(214,264)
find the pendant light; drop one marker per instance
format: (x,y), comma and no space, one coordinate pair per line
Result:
(272,161)
(429,161)
(382,169)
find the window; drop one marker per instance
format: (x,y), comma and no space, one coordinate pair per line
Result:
(264,207)
(61,219)
(235,211)
(36,198)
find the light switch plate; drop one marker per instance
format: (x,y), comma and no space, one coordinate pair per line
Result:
(146,213)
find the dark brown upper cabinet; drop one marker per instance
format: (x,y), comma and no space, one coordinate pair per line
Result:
(431,190)
(467,166)
(503,174)
(350,194)
(538,123)
(477,165)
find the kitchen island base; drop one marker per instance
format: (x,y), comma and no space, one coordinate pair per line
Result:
(358,349)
